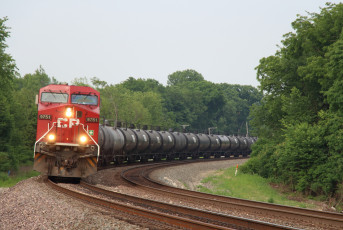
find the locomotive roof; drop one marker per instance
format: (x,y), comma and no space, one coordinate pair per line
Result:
(68,89)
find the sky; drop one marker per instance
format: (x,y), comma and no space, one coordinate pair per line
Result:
(116,39)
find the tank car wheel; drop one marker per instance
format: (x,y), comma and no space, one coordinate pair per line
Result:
(119,160)
(143,159)
(207,155)
(131,159)
(171,157)
(157,158)
(195,157)
(182,157)
(102,162)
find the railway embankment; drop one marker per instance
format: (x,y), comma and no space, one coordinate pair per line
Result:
(190,176)
(219,178)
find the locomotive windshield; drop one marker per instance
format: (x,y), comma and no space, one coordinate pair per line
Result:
(84,99)
(54,97)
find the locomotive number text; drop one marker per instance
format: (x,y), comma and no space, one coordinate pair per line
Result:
(92,119)
(44,117)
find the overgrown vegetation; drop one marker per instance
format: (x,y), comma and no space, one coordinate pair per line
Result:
(247,186)
(18,113)
(8,181)
(188,99)
(299,120)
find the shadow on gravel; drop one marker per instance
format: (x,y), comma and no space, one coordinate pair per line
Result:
(65,180)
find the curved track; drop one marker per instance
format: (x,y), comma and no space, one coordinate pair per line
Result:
(218,219)
(140,176)
(175,215)
(180,222)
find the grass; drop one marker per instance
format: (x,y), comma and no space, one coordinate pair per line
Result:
(9,181)
(246,186)
(185,185)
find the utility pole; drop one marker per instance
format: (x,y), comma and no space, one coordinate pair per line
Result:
(209,130)
(246,125)
(184,127)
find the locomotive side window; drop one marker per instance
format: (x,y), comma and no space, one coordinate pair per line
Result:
(84,99)
(54,97)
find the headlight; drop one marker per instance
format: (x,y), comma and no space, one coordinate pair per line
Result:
(69,112)
(51,138)
(83,139)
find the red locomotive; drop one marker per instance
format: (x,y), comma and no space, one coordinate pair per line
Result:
(67,131)
(70,142)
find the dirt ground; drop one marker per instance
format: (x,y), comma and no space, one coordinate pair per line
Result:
(189,176)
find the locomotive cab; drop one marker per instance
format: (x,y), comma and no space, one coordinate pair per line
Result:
(67,131)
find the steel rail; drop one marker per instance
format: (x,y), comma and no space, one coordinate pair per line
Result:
(327,219)
(153,215)
(229,220)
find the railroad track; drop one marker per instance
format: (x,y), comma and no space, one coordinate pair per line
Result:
(178,216)
(139,176)
(174,161)
(213,218)
(178,222)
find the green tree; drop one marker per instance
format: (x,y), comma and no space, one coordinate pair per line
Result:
(180,77)
(25,109)
(98,83)
(121,104)
(185,102)
(299,119)
(7,76)
(143,85)
(235,112)
(81,81)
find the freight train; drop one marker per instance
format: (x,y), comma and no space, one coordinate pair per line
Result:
(71,142)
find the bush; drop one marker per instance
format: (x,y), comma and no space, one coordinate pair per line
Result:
(262,160)
(271,200)
(310,158)
(5,163)
(3,176)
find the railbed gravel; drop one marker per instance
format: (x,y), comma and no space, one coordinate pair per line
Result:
(31,204)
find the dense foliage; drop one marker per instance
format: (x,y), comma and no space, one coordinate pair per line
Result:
(18,112)
(190,100)
(187,100)
(19,120)
(299,120)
